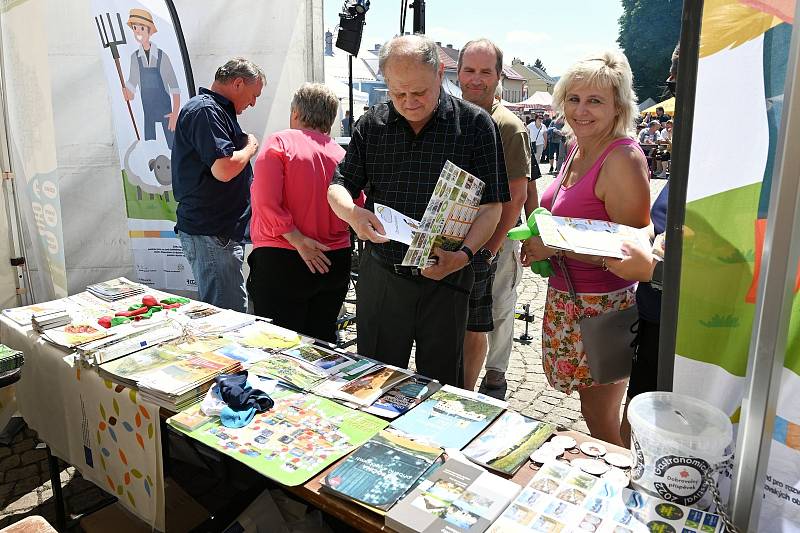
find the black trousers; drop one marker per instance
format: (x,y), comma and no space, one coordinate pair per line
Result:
(282,288)
(394,311)
(644,371)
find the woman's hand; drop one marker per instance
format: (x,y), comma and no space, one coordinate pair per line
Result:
(534,249)
(312,252)
(637,265)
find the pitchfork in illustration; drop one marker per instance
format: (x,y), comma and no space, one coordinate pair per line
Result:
(113,43)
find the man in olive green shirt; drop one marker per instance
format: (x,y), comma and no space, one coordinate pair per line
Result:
(480,65)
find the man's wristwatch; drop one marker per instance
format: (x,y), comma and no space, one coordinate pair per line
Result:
(485,254)
(657,281)
(470,253)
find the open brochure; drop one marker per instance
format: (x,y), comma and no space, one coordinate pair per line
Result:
(398,226)
(587,236)
(448,217)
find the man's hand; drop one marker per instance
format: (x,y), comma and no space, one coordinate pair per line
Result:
(312,253)
(367,225)
(127,94)
(173,120)
(448,263)
(252,144)
(534,249)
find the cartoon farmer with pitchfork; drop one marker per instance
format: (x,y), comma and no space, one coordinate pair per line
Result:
(151,71)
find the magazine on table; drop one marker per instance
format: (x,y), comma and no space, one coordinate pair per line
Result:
(370,386)
(74,334)
(448,216)
(288,370)
(457,498)
(325,362)
(508,443)
(404,396)
(353,371)
(382,470)
(587,236)
(170,368)
(266,336)
(451,417)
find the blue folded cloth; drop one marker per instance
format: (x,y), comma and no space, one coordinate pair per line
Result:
(242,400)
(232,418)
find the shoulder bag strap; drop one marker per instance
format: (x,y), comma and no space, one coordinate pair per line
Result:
(560,257)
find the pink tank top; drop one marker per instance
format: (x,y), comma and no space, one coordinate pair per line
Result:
(580,201)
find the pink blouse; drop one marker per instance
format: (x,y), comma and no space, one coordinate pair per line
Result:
(290,190)
(580,201)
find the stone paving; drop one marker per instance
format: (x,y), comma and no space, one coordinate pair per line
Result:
(25,484)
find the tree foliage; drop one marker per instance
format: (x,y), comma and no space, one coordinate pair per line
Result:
(538,64)
(648,32)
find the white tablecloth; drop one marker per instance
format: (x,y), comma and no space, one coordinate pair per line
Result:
(103,429)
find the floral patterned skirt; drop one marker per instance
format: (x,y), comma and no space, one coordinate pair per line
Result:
(563,357)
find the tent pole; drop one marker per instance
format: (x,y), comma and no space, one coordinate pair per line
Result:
(24,287)
(769,341)
(691,22)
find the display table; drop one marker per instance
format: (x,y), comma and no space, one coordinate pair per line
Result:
(363,519)
(103,429)
(113,436)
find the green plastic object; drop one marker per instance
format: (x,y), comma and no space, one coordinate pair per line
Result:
(526,230)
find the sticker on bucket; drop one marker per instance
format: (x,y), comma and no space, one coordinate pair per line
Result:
(680,479)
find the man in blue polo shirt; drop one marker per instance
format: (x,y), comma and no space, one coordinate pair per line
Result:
(211,177)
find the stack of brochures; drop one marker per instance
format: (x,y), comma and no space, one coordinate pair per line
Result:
(10,359)
(128,338)
(115,289)
(173,375)
(49,319)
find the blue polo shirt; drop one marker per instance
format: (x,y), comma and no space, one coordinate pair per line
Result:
(206,131)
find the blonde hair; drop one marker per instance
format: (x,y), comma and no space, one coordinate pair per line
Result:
(608,69)
(316,106)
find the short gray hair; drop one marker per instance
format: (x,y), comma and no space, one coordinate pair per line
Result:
(418,47)
(483,43)
(239,67)
(608,69)
(316,105)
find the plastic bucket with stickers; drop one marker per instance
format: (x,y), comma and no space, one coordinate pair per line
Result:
(675,440)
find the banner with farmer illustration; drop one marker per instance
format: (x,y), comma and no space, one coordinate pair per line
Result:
(147,81)
(744,49)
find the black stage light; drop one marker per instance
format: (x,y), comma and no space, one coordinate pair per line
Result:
(351,25)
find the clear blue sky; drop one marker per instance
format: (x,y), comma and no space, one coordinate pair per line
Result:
(556,31)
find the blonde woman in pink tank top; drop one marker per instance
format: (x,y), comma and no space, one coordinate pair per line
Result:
(606,179)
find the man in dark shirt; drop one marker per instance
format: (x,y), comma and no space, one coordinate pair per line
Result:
(211,177)
(398,149)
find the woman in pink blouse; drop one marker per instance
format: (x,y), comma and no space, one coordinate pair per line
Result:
(300,265)
(604,177)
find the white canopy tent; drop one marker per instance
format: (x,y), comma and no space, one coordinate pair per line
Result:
(538,100)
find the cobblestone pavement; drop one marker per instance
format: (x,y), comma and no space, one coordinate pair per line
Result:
(25,483)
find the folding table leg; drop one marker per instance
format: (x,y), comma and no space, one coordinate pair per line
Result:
(58,495)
